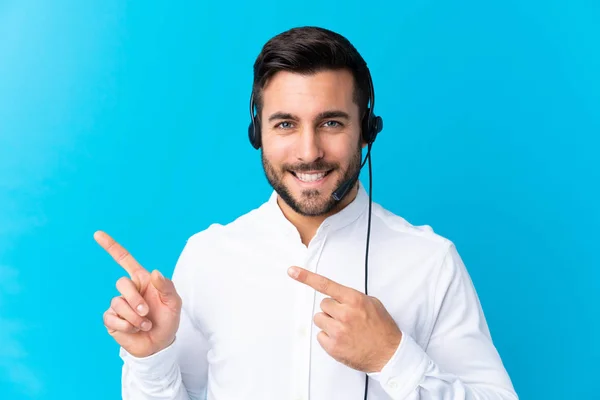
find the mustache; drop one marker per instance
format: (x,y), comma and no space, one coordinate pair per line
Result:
(318,165)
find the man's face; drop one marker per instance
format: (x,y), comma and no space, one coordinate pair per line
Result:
(310,137)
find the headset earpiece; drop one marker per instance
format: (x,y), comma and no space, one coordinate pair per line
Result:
(254,133)
(371,126)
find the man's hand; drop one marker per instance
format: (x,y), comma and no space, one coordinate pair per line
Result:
(145,318)
(357,330)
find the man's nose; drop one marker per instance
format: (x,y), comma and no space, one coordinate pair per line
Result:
(309,146)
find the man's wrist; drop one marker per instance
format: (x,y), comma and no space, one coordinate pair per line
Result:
(404,370)
(157,364)
(389,352)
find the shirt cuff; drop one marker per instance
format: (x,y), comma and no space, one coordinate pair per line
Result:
(403,372)
(157,365)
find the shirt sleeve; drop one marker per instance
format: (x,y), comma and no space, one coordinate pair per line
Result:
(180,371)
(460,361)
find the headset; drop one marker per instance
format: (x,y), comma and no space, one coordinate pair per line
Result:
(371,126)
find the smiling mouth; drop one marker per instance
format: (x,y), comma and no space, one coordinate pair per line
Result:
(309,177)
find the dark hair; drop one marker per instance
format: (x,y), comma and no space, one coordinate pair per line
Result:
(309,50)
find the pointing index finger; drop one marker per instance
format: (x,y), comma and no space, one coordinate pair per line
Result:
(118,253)
(324,285)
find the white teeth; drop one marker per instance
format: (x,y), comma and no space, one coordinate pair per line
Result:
(310,177)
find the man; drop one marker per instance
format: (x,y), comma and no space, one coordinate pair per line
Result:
(273,305)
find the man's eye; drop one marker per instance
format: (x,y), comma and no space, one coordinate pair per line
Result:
(333,124)
(284,125)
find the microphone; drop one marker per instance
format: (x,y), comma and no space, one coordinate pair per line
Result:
(341,191)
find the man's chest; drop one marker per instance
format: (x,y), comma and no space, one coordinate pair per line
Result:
(260,324)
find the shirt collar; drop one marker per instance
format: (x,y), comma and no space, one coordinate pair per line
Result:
(342,218)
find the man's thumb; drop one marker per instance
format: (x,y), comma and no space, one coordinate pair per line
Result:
(165,287)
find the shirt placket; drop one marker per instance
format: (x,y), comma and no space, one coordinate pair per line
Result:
(304,320)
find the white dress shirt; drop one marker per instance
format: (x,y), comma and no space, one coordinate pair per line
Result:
(247,328)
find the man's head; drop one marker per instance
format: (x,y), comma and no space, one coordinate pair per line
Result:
(311,90)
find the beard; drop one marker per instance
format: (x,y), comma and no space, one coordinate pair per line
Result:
(312,202)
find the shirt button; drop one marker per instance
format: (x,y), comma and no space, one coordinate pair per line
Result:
(393,384)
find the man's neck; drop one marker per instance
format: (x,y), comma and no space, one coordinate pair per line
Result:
(307,226)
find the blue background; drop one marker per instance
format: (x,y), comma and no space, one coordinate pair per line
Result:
(131,117)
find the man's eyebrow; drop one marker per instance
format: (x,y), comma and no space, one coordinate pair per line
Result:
(282,115)
(333,114)
(323,115)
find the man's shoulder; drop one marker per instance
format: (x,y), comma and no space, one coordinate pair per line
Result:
(398,229)
(246,225)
